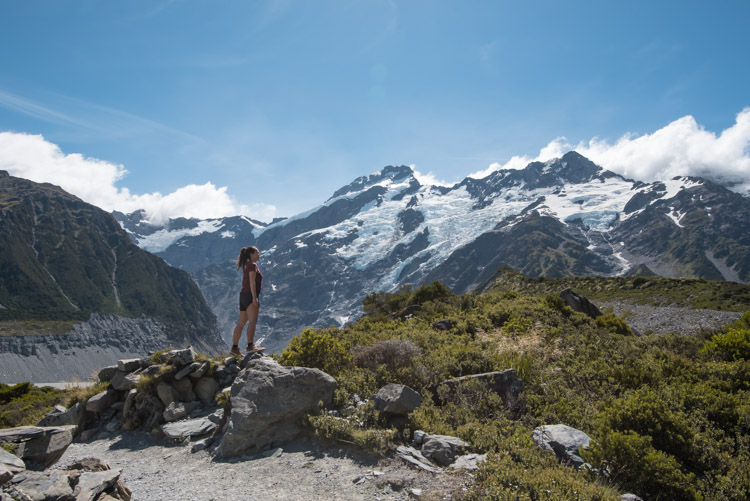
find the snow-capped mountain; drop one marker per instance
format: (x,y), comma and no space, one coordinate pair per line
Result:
(563,217)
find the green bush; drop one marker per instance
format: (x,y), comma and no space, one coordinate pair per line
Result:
(731,345)
(654,415)
(613,324)
(320,349)
(630,461)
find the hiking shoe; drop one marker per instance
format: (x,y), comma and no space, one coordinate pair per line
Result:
(254,347)
(235,351)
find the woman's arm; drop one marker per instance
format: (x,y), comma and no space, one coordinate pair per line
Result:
(251,276)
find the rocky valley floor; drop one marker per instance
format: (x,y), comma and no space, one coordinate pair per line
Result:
(304,470)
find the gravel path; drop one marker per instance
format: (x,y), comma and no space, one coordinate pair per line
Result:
(305,470)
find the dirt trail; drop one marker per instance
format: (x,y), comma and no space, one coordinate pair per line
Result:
(305,470)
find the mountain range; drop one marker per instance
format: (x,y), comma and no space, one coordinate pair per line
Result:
(564,217)
(77,293)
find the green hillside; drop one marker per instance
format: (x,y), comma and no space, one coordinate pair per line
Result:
(62,259)
(653,290)
(669,415)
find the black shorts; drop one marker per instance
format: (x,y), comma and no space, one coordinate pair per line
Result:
(246,299)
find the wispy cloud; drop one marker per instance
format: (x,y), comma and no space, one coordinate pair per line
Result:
(102,120)
(681,148)
(95,181)
(35,110)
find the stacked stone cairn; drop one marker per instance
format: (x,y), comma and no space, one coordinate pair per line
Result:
(170,392)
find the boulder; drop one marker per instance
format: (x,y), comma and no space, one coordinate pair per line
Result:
(178,358)
(206,388)
(564,441)
(175,411)
(187,370)
(442,449)
(9,465)
(200,371)
(166,393)
(396,399)
(99,402)
(409,311)
(505,383)
(419,437)
(580,303)
(184,388)
(469,462)
(188,428)
(267,402)
(107,373)
(129,365)
(630,497)
(72,416)
(44,485)
(129,402)
(443,325)
(47,449)
(123,381)
(92,483)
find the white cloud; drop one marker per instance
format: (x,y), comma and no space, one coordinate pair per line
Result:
(428,179)
(682,148)
(94,181)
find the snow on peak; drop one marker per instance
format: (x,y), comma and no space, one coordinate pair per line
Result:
(160,240)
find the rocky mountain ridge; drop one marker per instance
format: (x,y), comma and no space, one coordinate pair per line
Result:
(564,217)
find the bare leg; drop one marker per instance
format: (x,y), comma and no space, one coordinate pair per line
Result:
(238,328)
(252,318)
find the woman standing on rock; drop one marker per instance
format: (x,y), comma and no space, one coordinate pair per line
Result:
(252,279)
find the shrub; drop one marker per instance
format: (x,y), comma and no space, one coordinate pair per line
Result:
(433,292)
(320,349)
(629,460)
(613,324)
(650,414)
(24,404)
(393,353)
(731,345)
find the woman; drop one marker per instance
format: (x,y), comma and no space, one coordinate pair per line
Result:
(252,280)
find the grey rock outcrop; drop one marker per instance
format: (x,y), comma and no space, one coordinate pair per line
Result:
(564,441)
(63,416)
(580,303)
(39,446)
(267,401)
(205,389)
(9,465)
(86,480)
(443,449)
(505,383)
(413,456)
(99,402)
(396,399)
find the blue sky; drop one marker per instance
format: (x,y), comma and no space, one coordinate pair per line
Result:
(277,104)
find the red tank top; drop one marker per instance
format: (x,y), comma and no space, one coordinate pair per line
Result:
(246,278)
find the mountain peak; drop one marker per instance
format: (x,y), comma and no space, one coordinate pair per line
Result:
(388,173)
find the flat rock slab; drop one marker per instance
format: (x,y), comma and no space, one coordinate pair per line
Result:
(188,428)
(23,433)
(91,484)
(413,456)
(11,461)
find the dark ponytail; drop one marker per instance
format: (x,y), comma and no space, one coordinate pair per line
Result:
(244,256)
